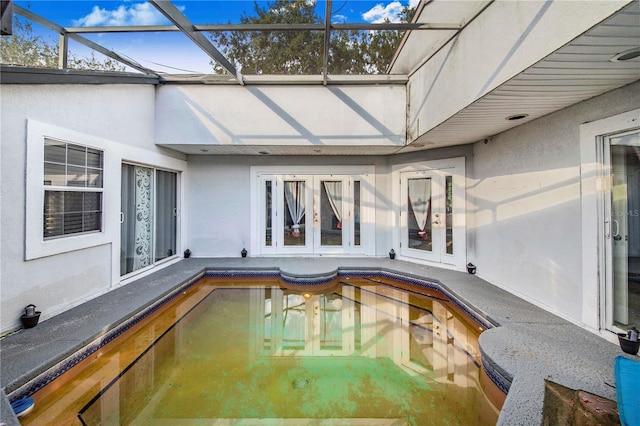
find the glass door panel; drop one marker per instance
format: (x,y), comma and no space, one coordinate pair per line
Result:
(419,202)
(136,219)
(448,182)
(624,235)
(166,214)
(423,217)
(331,212)
(356,213)
(268,214)
(294,230)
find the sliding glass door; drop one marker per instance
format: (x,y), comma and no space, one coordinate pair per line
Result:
(148,222)
(166,214)
(622,230)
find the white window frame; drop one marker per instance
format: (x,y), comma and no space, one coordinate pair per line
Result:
(80,189)
(114,154)
(36,246)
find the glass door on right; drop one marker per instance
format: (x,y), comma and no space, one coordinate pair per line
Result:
(622,233)
(426,216)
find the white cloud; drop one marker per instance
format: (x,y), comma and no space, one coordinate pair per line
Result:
(134,14)
(380,13)
(339,19)
(391,12)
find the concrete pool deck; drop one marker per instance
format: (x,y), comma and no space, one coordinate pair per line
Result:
(530,344)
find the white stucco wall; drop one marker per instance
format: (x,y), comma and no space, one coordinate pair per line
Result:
(120,117)
(281,115)
(487,53)
(219,203)
(218,197)
(525,205)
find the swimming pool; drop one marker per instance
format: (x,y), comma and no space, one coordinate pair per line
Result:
(364,348)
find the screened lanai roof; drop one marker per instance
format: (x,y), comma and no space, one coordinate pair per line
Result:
(239,41)
(208,42)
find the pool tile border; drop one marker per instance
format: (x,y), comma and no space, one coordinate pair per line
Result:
(69,362)
(43,379)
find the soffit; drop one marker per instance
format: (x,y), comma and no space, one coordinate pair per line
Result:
(289,150)
(578,71)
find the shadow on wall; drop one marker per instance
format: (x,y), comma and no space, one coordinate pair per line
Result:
(281,115)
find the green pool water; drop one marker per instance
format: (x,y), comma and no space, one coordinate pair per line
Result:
(356,355)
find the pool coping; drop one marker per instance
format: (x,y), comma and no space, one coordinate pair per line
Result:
(526,346)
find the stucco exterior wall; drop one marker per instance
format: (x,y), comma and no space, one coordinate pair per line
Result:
(219,202)
(282,115)
(119,114)
(524,196)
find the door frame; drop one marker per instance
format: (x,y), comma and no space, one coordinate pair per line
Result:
(454,167)
(347,201)
(611,227)
(364,174)
(592,186)
(177,211)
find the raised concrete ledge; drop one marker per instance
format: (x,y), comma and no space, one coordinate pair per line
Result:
(529,344)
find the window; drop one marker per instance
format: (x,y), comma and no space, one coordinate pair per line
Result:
(73,176)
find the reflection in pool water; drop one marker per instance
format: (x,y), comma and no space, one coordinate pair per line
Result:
(360,352)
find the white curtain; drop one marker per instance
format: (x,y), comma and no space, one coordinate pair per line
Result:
(420,199)
(334,193)
(294,194)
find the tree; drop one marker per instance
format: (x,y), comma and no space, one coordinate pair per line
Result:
(28,49)
(275,52)
(91,63)
(301,52)
(24,48)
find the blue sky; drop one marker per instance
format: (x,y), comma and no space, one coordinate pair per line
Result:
(129,12)
(173,49)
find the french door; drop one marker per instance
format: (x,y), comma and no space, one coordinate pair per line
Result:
(312,214)
(622,230)
(426,217)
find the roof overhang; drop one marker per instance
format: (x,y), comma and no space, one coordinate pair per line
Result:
(581,69)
